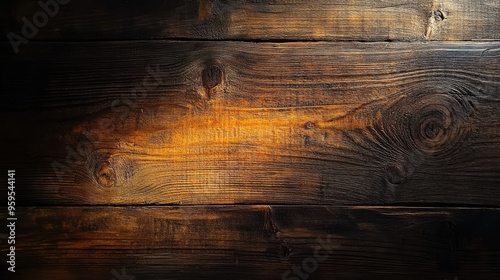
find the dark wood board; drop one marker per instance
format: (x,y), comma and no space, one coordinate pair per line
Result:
(282,20)
(257,242)
(265,123)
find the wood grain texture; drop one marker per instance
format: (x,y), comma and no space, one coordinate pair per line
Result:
(219,139)
(265,123)
(366,20)
(257,242)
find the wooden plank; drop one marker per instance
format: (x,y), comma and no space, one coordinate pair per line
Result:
(267,123)
(364,20)
(257,242)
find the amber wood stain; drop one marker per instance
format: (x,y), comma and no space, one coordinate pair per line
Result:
(229,139)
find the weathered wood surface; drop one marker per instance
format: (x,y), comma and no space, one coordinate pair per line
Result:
(257,242)
(265,123)
(365,20)
(250,102)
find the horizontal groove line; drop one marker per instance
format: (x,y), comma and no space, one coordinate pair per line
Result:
(257,40)
(379,206)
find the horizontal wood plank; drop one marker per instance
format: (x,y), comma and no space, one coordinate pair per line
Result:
(257,242)
(267,123)
(365,20)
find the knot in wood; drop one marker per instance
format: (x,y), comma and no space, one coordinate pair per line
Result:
(439,15)
(426,123)
(429,123)
(284,249)
(435,126)
(105,175)
(211,77)
(395,173)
